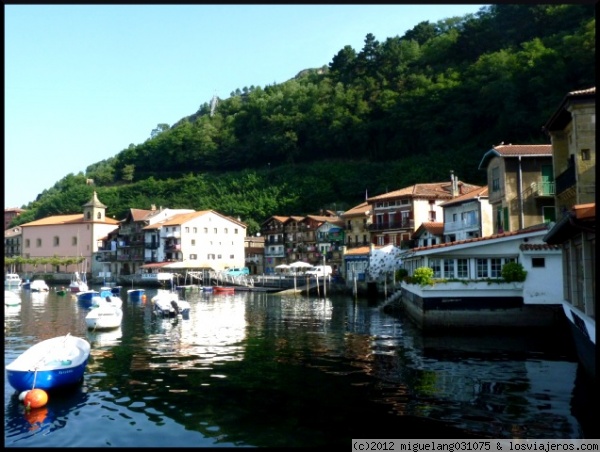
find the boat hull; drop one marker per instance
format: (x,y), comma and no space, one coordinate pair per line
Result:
(223,290)
(135,294)
(51,364)
(168,305)
(104,318)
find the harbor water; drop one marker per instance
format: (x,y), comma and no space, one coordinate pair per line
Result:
(263,370)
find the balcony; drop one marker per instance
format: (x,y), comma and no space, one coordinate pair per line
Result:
(565,180)
(543,189)
(151,245)
(387,225)
(172,247)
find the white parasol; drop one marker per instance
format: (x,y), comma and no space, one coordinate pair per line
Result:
(300,264)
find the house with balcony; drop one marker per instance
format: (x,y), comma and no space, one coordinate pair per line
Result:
(572,129)
(330,240)
(254,250)
(357,221)
(398,214)
(273,230)
(467,216)
(520,185)
(309,250)
(12,241)
(74,235)
(131,246)
(197,240)
(295,235)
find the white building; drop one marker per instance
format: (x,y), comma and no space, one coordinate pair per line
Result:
(204,239)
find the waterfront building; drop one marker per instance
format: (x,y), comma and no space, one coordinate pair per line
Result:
(398,214)
(520,184)
(74,235)
(357,222)
(468,289)
(572,129)
(467,216)
(197,240)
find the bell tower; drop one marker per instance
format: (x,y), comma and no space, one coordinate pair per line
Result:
(94,210)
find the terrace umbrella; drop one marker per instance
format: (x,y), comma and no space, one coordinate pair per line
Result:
(300,264)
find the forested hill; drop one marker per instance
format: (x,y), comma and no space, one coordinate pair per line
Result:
(404,110)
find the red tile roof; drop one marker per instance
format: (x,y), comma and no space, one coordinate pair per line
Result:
(435,228)
(538,247)
(477,193)
(436,190)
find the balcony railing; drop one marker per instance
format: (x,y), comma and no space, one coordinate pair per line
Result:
(385,225)
(565,180)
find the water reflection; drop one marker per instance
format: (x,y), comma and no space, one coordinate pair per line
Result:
(260,370)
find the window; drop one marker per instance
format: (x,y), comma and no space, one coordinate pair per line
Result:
(496,267)
(195,230)
(495,179)
(27,243)
(89,215)
(187,229)
(206,230)
(448,268)
(38,242)
(99,216)
(436,266)
(462,268)
(215,230)
(538,262)
(226,231)
(482,268)
(74,241)
(193,242)
(56,240)
(585,154)
(193,257)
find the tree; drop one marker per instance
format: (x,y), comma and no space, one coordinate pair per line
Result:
(128,171)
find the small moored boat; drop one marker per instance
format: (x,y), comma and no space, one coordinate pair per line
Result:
(104,317)
(38,285)
(50,364)
(12,280)
(223,289)
(168,304)
(135,294)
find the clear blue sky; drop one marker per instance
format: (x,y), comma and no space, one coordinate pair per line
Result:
(83,82)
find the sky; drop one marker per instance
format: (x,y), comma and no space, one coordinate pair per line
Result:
(83,82)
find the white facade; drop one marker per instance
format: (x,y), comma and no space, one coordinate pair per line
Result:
(482,259)
(203,239)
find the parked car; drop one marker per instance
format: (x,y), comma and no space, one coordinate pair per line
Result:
(237,271)
(320,271)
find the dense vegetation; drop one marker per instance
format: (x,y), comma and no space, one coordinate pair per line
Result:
(406,110)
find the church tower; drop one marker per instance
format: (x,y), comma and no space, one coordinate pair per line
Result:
(94,210)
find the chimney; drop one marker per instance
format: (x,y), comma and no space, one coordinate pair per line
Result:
(453,184)
(153,207)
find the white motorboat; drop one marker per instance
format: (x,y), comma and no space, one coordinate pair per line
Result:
(106,297)
(168,304)
(12,280)
(38,285)
(104,317)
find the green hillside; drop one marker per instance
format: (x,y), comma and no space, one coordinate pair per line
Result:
(406,110)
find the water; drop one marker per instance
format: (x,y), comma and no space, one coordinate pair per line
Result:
(253,369)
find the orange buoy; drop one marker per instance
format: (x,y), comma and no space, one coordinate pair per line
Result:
(144,297)
(36,398)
